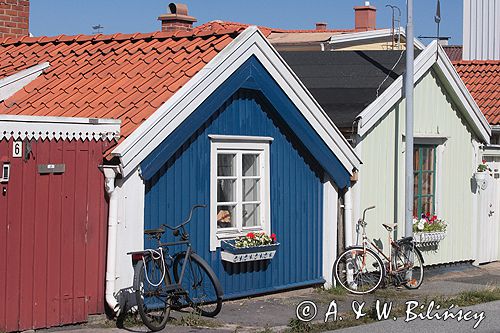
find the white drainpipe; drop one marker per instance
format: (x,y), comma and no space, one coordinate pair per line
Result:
(110,172)
(348,217)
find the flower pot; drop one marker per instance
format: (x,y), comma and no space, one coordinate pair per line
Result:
(480,175)
(233,254)
(429,238)
(481,179)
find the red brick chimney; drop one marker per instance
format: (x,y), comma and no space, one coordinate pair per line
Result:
(178,19)
(14,18)
(321,26)
(365,17)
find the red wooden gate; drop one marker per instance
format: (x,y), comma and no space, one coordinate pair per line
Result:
(52,235)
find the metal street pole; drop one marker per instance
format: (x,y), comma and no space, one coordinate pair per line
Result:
(409,122)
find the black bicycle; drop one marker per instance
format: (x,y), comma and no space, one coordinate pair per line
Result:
(196,286)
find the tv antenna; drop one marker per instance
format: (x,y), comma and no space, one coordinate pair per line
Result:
(97,28)
(395,20)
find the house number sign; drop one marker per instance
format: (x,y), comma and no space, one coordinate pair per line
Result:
(17,149)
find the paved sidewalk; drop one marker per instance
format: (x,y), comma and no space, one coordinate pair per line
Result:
(275,311)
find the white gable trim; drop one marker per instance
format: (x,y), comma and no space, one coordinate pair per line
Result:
(56,128)
(136,147)
(427,59)
(15,82)
(372,34)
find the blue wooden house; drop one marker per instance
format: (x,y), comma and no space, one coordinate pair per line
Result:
(245,137)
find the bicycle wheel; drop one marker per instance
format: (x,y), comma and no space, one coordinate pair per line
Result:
(153,299)
(408,260)
(204,292)
(358,271)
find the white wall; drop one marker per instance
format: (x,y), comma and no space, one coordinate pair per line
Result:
(330,209)
(130,232)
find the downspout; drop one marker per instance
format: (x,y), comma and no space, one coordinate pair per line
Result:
(110,172)
(348,217)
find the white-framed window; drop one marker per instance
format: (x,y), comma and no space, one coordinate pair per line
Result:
(239,186)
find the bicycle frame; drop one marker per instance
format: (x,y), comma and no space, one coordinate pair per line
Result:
(366,243)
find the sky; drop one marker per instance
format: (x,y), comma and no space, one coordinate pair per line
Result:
(71,17)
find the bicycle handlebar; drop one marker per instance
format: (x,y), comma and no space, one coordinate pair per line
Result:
(185,221)
(364,212)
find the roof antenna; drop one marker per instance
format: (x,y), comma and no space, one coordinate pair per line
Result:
(97,28)
(394,21)
(437,19)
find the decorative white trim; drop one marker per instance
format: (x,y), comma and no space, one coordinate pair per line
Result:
(239,138)
(372,34)
(13,83)
(137,146)
(425,61)
(254,144)
(58,128)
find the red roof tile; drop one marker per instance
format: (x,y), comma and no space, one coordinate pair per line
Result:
(218,25)
(454,52)
(117,76)
(482,78)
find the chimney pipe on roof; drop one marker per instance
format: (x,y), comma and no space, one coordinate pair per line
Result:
(14,21)
(178,19)
(320,26)
(365,17)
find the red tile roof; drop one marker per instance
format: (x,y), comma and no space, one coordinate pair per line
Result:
(482,78)
(217,24)
(454,52)
(116,76)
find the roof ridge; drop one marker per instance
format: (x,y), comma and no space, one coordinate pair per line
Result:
(117,36)
(476,61)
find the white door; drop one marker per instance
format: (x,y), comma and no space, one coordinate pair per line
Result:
(489,215)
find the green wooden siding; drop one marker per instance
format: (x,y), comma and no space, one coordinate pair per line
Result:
(382,172)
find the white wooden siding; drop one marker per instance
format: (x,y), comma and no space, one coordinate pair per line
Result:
(481,30)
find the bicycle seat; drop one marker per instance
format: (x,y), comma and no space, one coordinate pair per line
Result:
(390,226)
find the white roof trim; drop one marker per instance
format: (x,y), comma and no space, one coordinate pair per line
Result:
(65,128)
(427,59)
(372,34)
(15,82)
(137,146)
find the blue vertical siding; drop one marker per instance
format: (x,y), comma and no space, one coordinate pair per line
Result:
(296,198)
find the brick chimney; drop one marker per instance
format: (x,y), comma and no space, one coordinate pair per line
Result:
(14,18)
(365,17)
(178,19)
(321,26)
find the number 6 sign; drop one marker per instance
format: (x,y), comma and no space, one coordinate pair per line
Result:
(17,149)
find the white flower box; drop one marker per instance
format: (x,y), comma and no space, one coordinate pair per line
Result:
(233,254)
(429,238)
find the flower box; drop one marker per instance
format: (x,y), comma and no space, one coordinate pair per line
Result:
(429,238)
(234,254)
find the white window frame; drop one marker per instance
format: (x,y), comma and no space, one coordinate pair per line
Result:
(239,145)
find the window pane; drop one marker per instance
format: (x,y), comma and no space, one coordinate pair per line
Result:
(251,215)
(251,189)
(226,164)
(415,207)
(225,217)
(250,164)
(416,159)
(428,159)
(225,190)
(427,183)
(427,205)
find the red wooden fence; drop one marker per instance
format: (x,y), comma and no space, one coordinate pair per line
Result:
(52,236)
